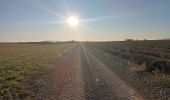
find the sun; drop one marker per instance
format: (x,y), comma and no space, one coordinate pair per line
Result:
(73,21)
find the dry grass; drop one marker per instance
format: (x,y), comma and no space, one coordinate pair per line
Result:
(132,66)
(160,76)
(162,80)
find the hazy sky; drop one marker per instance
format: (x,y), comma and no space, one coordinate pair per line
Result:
(36,20)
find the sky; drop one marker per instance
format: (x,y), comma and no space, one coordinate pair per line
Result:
(100,20)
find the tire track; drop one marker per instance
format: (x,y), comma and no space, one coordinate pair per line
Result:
(81,76)
(101,83)
(66,82)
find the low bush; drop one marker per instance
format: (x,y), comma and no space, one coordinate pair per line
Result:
(162,66)
(151,63)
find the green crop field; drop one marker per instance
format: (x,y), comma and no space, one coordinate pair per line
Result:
(21,66)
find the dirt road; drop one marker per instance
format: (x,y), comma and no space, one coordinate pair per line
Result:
(80,75)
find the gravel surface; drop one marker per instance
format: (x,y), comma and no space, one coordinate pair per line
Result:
(103,83)
(80,75)
(66,82)
(147,87)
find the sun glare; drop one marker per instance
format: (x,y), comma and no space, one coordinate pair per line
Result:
(73,21)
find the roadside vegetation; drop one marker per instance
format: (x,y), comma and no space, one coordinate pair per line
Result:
(146,63)
(24,67)
(155,55)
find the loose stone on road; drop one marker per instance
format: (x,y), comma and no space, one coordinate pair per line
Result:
(80,75)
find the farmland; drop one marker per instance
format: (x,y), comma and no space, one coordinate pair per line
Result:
(21,67)
(116,70)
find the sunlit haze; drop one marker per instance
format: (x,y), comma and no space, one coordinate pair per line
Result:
(73,21)
(95,20)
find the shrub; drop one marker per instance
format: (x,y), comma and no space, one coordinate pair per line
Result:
(162,66)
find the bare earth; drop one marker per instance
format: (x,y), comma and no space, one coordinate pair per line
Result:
(80,75)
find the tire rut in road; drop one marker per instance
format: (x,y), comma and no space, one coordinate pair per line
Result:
(103,84)
(66,82)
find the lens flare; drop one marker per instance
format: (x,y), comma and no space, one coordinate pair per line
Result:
(73,21)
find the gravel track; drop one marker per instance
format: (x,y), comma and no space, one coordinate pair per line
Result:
(66,82)
(80,75)
(103,83)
